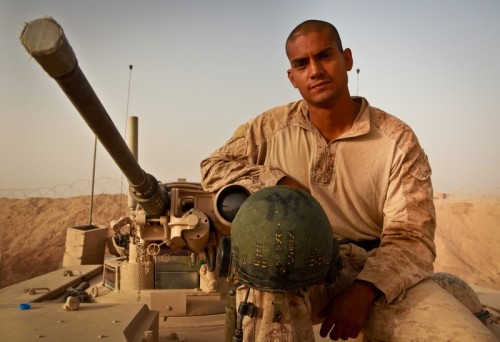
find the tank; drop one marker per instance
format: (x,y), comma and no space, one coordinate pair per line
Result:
(164,251)
(161,284)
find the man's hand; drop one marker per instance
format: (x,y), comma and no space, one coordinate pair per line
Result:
(347,312)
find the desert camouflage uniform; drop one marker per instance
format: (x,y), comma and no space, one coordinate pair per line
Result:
(373,182)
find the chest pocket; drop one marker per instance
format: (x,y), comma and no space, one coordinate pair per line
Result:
(323,167)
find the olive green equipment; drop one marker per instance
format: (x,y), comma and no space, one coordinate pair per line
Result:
(281,241)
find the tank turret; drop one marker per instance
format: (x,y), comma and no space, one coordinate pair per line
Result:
(176,219)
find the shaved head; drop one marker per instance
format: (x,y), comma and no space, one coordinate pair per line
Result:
(309,26)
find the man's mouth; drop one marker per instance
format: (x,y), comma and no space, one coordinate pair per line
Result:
(319,84)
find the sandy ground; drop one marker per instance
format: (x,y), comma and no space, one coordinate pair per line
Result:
(34,232)
(468,238)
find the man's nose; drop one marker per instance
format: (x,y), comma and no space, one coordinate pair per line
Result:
(315,68)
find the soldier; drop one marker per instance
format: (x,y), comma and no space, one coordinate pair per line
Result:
(369,173)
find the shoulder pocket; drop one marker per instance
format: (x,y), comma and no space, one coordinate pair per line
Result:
(421,170)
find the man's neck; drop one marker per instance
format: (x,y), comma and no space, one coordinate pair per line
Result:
(335,120)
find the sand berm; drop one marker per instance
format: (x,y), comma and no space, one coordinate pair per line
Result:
(33,232)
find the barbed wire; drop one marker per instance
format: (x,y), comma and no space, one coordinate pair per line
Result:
(80,187)
(107,185)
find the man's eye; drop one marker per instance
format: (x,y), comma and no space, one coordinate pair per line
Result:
(325,56)
(300,65)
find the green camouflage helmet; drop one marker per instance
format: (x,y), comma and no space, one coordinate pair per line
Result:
(281,240)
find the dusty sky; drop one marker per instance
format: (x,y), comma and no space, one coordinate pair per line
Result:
(201,68)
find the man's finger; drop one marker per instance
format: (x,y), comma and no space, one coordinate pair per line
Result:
(326,326)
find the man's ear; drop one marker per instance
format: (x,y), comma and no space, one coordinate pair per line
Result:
(348,59)
(290,77)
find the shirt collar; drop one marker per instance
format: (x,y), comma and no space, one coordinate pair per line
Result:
(360,126)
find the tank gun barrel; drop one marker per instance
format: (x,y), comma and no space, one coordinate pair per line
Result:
(45,41)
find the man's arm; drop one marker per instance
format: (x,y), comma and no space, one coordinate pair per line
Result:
(407,251)
(243,159)
(239,161)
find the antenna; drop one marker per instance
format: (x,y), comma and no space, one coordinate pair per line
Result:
(93,183)
(357,82)
(125,133)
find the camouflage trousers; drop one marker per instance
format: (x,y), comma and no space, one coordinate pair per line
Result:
(426,313)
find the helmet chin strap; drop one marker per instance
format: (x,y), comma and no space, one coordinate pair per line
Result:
(248,309)
(245,309)
(278,303)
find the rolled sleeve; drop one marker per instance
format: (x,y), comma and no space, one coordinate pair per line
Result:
(237,162)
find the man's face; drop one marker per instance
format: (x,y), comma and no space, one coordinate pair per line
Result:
(318,68)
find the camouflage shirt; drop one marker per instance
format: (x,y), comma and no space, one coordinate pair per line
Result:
(373,181)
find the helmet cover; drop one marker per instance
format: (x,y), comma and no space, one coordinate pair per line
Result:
(281,239)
